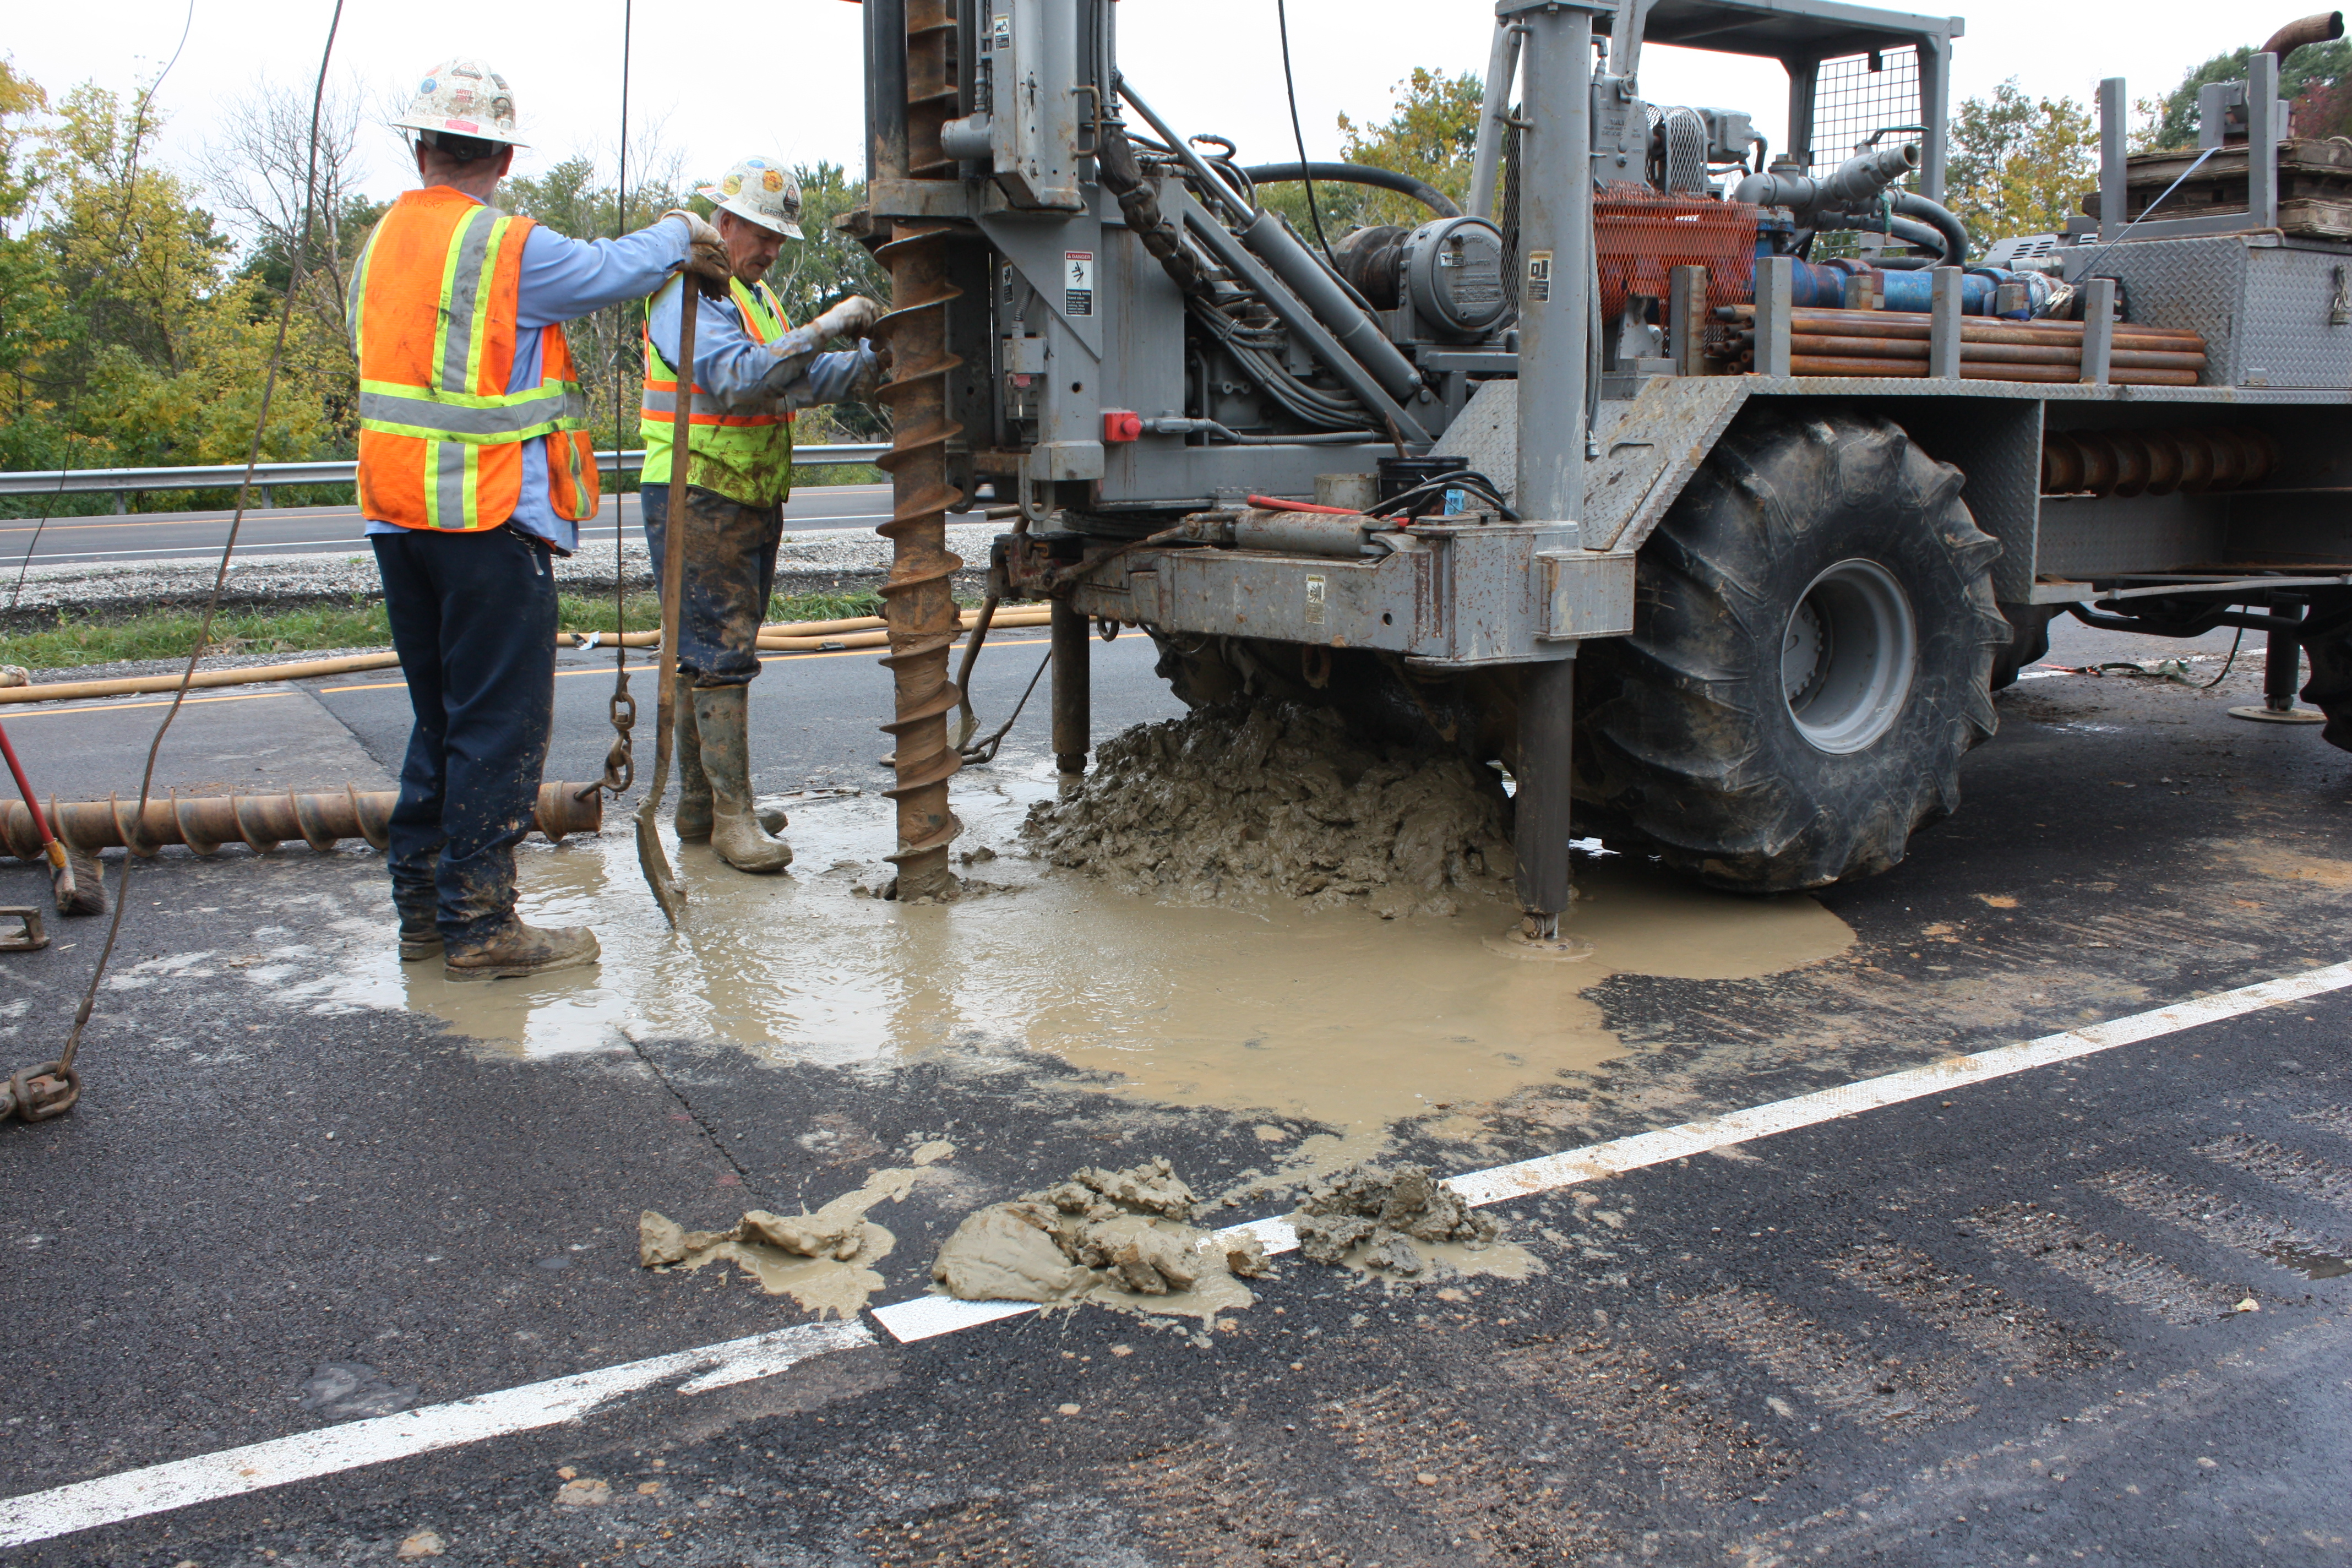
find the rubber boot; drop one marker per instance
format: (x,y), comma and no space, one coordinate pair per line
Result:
(693,819)
(515,950)
(737,834)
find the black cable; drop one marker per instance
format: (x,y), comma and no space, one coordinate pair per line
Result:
(983,752)
(1371,174)
(1460,478)
(621,699)
(228,549)
(2234,644)
(1290,91)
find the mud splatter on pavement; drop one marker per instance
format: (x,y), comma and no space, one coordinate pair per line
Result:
(1118,1238)
(822,1260)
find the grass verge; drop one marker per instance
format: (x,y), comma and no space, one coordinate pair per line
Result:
(169,634)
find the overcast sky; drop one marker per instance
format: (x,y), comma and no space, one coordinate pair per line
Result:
(782,77)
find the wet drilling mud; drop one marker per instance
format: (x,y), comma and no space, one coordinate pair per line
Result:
(1401,1223)
(1325,1027)
(823,1260)
(1281,802)
(1117,1238)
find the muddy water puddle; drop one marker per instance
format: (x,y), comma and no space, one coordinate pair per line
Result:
(1337,1017)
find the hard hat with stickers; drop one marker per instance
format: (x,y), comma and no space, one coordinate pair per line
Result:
(463,98)
(762,191)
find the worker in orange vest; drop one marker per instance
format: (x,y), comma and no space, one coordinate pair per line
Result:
(750,371)
(476,470)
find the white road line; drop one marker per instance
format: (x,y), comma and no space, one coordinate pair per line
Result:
(134,1494)
(926,1317)
(39,1515)
(1553,1171)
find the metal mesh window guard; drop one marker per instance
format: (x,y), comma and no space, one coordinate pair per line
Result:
(1853,98)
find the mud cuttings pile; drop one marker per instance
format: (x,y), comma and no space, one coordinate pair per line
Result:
(1371,1217)
(1124,1238)
(1243,803)
(1118,1237)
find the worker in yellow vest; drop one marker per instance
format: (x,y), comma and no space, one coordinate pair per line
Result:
(475,473)
(750,370)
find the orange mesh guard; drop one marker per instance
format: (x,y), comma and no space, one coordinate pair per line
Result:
(1640,233)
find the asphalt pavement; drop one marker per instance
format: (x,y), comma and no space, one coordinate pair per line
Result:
(2091,1312)
(300,531)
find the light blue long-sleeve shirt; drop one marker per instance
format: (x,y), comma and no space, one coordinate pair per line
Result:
(562,280)
(749,375)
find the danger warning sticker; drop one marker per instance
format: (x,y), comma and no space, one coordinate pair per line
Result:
(1077,283)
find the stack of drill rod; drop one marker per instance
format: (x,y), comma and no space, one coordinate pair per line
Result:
(1894,344)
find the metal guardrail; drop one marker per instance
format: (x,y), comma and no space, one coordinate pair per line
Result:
(266,477)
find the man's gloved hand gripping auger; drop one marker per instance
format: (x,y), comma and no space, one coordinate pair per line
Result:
(707,262)
(853,318)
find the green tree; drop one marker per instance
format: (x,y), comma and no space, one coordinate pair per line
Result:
(2313,68)
(29,296)
(147,350)
(2016,164)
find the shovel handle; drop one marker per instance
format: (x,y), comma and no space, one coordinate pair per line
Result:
(659,877)
(24,788)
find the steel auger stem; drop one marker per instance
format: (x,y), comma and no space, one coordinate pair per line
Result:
(919,599)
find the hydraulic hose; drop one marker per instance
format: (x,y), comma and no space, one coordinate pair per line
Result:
(1940,219)
(1912,232)
(1422,191)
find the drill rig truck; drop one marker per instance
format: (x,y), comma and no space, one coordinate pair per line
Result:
(1707,489)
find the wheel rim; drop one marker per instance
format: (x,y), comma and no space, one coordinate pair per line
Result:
(1847,656)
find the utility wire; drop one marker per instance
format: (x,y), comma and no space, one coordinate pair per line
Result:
(1290,91)
(220,578)
(620,349)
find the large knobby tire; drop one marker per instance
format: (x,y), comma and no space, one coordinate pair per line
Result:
(2329,645)
(2029,642)
(1813,639)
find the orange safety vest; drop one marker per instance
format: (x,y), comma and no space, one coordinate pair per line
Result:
(432,313)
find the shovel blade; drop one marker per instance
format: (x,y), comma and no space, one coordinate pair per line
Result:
(668,892)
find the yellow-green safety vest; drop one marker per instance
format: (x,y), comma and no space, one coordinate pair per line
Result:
(745,453)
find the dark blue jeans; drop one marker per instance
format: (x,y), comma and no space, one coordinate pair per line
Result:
(474,616)
(730,570)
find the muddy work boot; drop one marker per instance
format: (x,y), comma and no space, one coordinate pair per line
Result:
(420,937)
(693,819)
(738,832)
(418,943)
(515,949)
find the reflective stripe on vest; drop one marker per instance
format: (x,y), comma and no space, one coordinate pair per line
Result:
(748,452)
(440,435)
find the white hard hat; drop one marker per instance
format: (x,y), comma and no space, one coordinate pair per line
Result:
(463,98)
(762,191)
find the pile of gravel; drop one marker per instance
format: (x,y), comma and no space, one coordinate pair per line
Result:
(820,561)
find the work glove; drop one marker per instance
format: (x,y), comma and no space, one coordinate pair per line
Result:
(872,373)
(707,262)
(853,318)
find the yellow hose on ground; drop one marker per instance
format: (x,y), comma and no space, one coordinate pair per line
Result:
(785,637)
